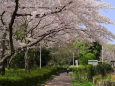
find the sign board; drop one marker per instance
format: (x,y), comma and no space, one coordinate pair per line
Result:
(93,62)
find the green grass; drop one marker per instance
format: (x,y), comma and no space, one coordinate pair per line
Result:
(19,77)
(83,83)
(78,82)
(109,77)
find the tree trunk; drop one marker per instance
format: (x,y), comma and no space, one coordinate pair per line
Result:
(3,69)
(8,64)
(2,65)
(34,59)
(27,60)
(9,61)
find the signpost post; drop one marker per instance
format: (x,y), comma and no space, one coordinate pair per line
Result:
(73,59)
(40,55)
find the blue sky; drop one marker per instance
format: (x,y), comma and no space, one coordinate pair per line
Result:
(111,14)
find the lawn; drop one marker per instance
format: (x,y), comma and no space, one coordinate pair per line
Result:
(36,77)
(83,83)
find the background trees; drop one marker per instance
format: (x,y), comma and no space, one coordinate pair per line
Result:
(88,51)
(62,54)
(84,59)
(34,58)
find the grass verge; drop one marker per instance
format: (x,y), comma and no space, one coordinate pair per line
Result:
(77,82)
(19,77)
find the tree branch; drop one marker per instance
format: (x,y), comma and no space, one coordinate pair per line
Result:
(2,18)
(53,12)
(11,26)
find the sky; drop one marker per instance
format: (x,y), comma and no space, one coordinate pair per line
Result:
(111,14)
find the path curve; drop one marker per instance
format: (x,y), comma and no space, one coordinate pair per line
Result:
(62,80)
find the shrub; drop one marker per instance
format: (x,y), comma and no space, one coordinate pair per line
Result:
(90,71)
(103,69)
(74,69)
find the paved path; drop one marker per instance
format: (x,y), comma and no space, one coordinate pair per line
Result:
(62,80)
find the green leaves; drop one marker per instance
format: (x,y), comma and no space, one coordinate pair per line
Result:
(87,51)
(20,34)
(85,58)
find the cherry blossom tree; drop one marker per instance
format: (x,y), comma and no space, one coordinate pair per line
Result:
(108,52)
(50,20)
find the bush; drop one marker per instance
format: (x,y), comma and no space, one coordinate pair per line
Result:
(103,69)
(73,69)
(90,71)
(78,69)
(18,60)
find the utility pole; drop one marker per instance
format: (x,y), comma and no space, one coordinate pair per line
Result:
(73,59)
(40,55)
(102,54)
